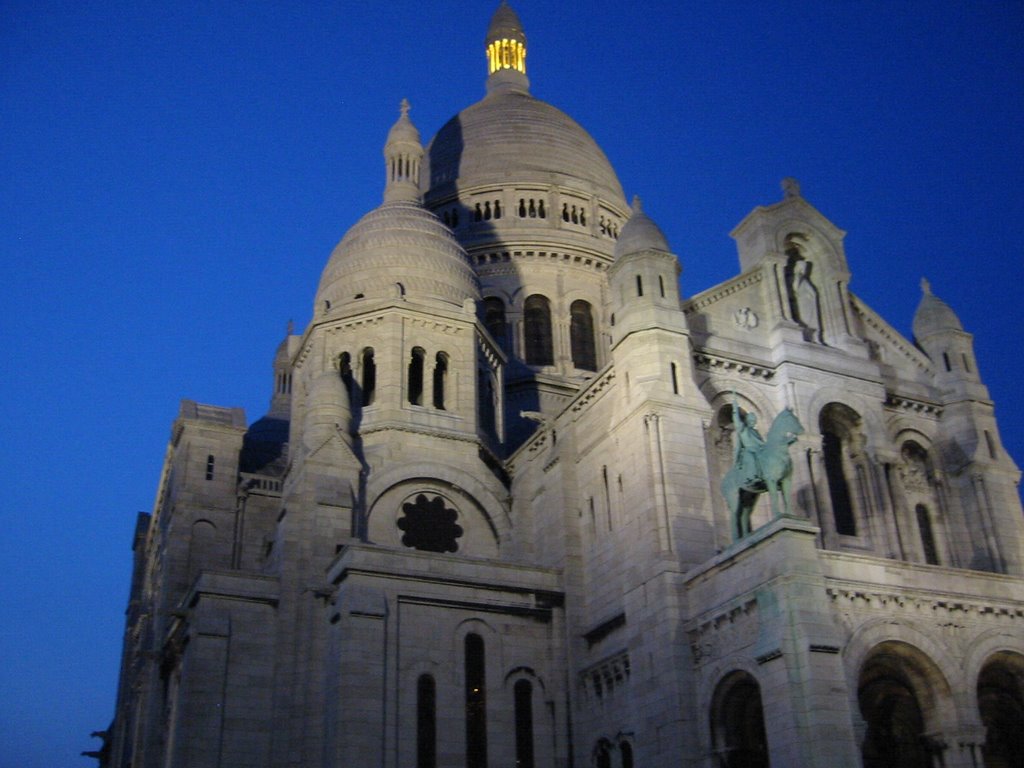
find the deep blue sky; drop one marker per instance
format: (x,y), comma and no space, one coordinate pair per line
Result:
(174,175)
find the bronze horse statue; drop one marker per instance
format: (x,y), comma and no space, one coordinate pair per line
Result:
(770,470)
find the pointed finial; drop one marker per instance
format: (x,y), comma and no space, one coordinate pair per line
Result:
(926,287)
(790,187)
(637,205)
(403,108)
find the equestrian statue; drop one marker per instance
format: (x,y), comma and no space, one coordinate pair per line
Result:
(760,464)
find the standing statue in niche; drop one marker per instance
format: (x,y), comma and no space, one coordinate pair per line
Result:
(760,465)
(804,299)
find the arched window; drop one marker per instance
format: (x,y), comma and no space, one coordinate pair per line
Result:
(1001,705)
(603,754)
(476,703)
(494,320)
(440,380)
(537,331)
(416,376)
(426,722)
(209,467)
(839,426)
(523,694)
(917,476)
(369,376)
(924,525)
(737,723)
(581,335)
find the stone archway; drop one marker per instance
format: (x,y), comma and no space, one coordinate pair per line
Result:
(897,691)
(1001,706)
(737,723)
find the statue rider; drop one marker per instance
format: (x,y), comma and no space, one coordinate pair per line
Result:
(748,447)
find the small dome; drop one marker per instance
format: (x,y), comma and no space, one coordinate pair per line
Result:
(403,130)
(511,137)
(933,315)
(397,249)
(640,233)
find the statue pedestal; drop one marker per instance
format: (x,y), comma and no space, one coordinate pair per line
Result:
(773,620)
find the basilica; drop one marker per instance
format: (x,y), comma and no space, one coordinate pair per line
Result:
(498,511)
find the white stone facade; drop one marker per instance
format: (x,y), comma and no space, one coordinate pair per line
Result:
(481,524)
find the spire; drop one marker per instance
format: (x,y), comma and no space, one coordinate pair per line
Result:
(403,153)
(506,51)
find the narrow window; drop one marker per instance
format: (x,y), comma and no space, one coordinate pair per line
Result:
(497,209)
(581,336)
(522,208)
(626,750)
(583,215)
(540,210)
(838,488)
(661,286)
(533,209)
(494,320)
(477,213)
(675,380)
(476,703)
(945,359)
(416,376)
(523,692)
(426,722)
(565,211)
(345,371)
(639,286)
(486,405)
(369,376)
(209,467)
(991,444)
(487,211)
(924,524)
(455,217)
(537,331)
(967,362)
(440,379)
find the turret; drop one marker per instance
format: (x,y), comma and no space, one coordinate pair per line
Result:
(644,279)
(938,331)
(648,321)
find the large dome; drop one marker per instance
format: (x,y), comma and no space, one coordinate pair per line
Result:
(397,249)
(511,137)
